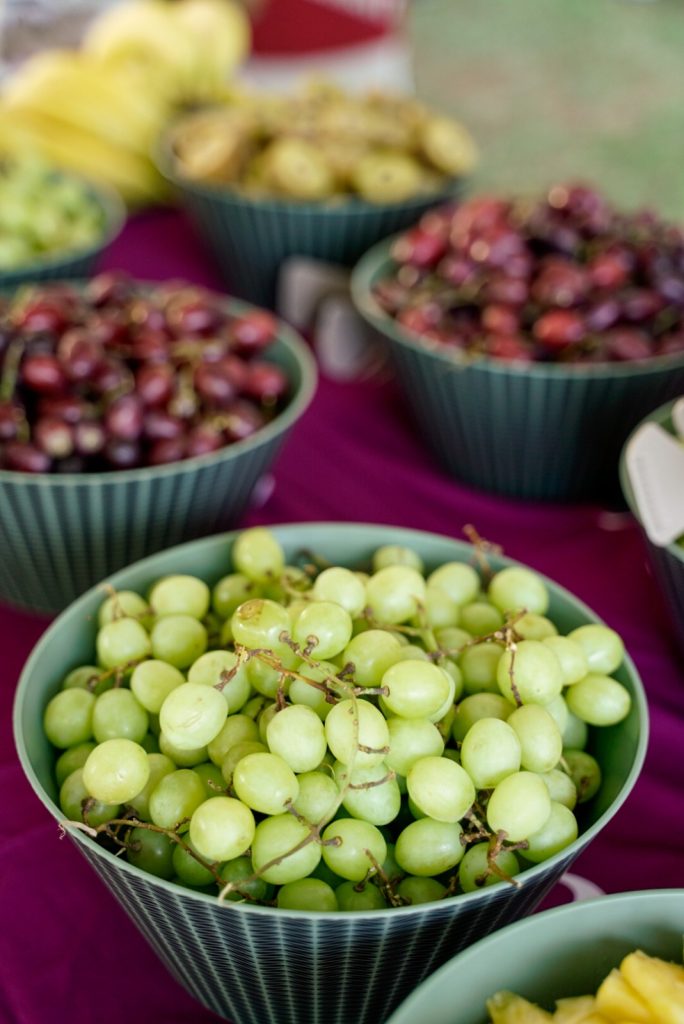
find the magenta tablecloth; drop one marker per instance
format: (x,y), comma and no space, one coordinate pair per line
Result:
(67,951)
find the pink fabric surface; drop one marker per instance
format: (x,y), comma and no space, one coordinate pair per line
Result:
(67,951)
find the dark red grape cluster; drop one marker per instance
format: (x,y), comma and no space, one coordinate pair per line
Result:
(116,375)
(564,279)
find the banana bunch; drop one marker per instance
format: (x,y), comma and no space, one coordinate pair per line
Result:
(99,110)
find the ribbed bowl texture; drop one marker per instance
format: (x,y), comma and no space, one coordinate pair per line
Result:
(260,965)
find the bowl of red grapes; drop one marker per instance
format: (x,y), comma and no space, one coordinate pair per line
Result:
(132,415)
(531,334)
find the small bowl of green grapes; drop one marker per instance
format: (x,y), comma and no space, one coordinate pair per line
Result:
(53,224)
(335,748)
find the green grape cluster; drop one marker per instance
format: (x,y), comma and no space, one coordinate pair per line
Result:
(330,739)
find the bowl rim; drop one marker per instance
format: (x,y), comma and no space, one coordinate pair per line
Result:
(76,608)
(377,261)
(660,416)
(115,214)
(408,1009)
(286,336)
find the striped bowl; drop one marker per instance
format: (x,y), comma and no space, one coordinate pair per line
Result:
(667,563)
(537,431)
(62,533)
(260,965)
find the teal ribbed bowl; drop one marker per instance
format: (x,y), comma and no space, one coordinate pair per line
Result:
(259,965)
(538,431)
(62,533)
(561,953)
(251,238)
(79,262)
(667,562)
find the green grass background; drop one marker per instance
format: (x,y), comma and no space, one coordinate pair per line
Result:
(555,90)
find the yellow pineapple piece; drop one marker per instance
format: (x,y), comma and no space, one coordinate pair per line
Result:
(574,1010)
(617,1000)
(660,985)
(507,1008)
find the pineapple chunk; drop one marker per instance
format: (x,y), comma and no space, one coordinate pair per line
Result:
(574,1010)
(660,985)
(507,1008)
(617,1000)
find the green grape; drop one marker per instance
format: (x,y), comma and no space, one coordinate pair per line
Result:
(193,715)
(74,797)
(71,759)
(186,758)
(490,751)
(284,849)
(515,587)
(395,593)
(264,720)
(302,692)
(152,681)
(478,666)
(240,872)
(442,789)
(575,733)
(355,724)
(159,766)
(236,729)
(151,852)
(371,794)
(447,707)
(427,848)
(259,624)
(571,656)
(371,653)
(602,646)
(390,869)
(324,628)
(116,771)
(356,849)
(307,894)
(585,772)
(452,639)
(411,652)
(318,796)
(354,896)
(175,798)
(480,618)
(178,639)
(124,604)
(266,783)
(479,705)
(415,689)
(396,554)
(291,580)
(258,555)
(221,828)
(210,774)
(531,626)
(180,595)
(87,677)
(519,806)
(475,870)
(118,715)
(409,740)
(209,670)
(459,580)
(297,735)
(230,592)
(540,738)
(121,642)
(452,669)
(188,869)
(255,705)
(558,709)
(226,634)
(343,587)
(267,680)
(536,672)
(68,718)
(599,700)
(440,610)
(415,890)
(559,830)
(235,755)
(562,789)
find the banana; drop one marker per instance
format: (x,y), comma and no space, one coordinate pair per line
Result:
(222,38)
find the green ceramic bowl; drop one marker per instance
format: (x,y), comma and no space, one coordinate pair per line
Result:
(62,533)
(259,965)
(563,952)
(539,431)
(667,562)
(78,262)
(251,238)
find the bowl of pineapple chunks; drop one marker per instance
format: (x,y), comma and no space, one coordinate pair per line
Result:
(612,960)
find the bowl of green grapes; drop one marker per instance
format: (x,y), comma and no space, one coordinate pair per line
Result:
(327,751)
(52,224)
